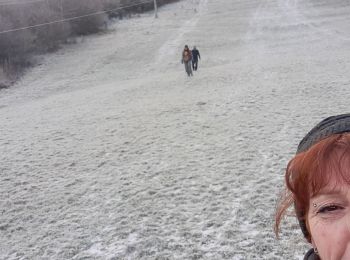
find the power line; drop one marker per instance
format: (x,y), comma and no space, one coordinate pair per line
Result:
(20,3)
(72,18)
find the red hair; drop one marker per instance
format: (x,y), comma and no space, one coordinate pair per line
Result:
(309,172)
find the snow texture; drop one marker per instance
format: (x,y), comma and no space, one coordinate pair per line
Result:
(109,151)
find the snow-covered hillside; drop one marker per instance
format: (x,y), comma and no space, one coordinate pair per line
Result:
(109,151)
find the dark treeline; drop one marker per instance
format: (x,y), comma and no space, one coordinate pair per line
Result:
(18,47)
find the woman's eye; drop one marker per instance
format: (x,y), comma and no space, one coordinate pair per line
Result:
(329,208)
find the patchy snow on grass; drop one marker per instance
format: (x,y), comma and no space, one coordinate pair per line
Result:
(109,151)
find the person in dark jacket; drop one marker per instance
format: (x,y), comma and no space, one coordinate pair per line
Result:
(187,59)
(318,186)
(195,57)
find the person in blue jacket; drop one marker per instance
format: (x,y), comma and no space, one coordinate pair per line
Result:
(195,56)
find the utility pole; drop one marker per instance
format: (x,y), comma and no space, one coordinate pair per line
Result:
(155,9)
(61,9)
(63,26)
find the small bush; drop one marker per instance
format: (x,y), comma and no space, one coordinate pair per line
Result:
(85,25)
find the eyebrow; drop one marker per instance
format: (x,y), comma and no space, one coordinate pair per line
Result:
(330,192)
(334,192)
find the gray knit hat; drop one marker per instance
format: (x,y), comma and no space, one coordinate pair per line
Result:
(327,127)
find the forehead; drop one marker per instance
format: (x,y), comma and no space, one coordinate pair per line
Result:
(333,175)
(335,187)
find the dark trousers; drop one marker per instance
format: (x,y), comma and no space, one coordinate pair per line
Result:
(195,64)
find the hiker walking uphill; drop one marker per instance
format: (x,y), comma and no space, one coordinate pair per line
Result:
(187,59)
(195,57)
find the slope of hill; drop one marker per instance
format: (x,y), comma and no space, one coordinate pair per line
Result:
(109,151)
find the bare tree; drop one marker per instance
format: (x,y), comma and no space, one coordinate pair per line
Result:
(52,22)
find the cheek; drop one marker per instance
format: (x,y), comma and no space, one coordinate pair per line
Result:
(330,238)
(321,232)
(323,235)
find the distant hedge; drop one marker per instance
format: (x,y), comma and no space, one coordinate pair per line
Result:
(17,47)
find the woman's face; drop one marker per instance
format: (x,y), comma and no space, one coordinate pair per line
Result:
(329,221)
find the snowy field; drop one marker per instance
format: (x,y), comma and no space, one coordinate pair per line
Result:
(109,151)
